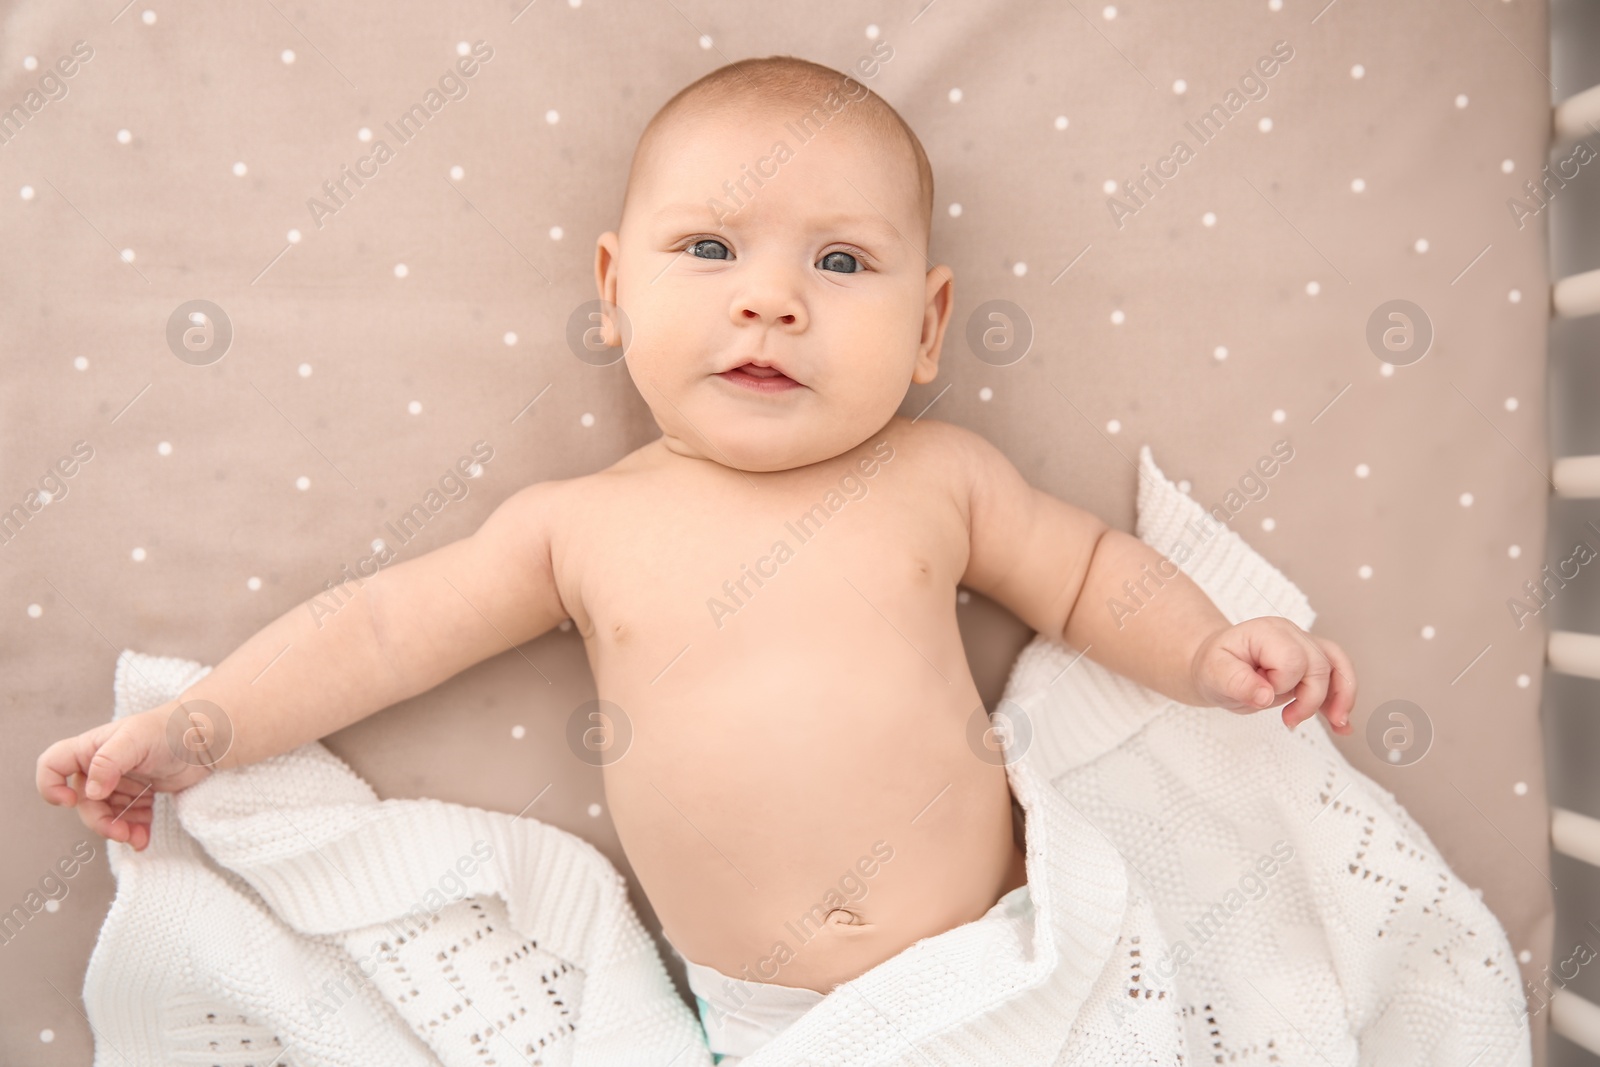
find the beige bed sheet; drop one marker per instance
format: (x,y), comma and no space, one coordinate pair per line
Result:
(1220,312)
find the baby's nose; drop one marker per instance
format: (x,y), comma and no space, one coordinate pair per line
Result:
(785,319)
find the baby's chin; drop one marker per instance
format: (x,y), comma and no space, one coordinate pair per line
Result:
(780,440)
(760,454)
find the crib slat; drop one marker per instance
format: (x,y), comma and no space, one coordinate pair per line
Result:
(1576,1019)
(1571,1016)
(1575,835)
(1573,653)
(1576,476)
(1576,295)
(1575,113)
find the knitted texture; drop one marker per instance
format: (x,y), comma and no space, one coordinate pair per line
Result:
(1205,887)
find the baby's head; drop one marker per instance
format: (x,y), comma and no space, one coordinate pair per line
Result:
(777,214)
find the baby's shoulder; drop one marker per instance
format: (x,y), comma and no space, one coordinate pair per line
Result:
(932,433)
(611,494)
(944,446)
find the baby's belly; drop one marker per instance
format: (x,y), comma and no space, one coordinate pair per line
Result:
(800,816)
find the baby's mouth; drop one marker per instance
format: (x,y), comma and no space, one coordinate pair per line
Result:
(759,379)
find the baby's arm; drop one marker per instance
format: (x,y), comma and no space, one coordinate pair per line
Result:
(407,628)
(306,674)
(1058,568)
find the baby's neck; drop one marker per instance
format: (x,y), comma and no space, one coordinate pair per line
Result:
(671,448)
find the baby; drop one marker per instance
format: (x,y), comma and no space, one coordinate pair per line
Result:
(790,667)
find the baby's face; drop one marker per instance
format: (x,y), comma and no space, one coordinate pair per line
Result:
(818,276)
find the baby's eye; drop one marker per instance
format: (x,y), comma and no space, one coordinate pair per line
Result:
(849,264)
(709,241)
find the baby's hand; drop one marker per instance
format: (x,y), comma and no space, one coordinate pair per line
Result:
(122,765)
(1260,661)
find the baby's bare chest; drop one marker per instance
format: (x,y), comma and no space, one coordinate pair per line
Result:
(726,573)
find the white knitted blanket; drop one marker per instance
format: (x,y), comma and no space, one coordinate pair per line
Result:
(1206,887)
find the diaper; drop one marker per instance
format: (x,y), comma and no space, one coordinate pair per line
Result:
(739,1017)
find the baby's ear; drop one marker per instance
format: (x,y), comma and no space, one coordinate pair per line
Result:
(605,278)
(935,317)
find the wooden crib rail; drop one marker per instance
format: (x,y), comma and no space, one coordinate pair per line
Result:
(1578,836)
(1576,476)
(1576,295)
(1577,654)
(1575,835)
(1576,1019)
(1577,116)
(1571,833)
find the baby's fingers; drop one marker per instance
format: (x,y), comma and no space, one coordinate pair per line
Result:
(133,825)
(1311,693)
(121,817)
(1248,688)
(99,816)
(70,756)
(1341,688)
(122,751)
(1226,680)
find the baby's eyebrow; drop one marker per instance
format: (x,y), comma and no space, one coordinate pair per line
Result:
(836,222)
(669,211)
(875,223)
